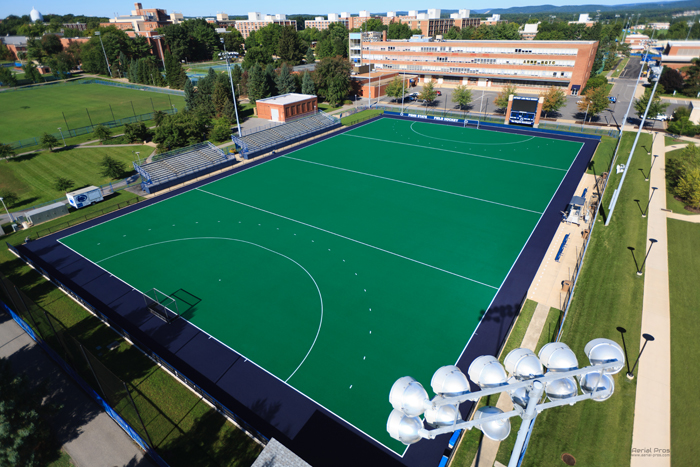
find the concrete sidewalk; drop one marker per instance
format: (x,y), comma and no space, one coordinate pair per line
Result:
(652,409)
(87,433)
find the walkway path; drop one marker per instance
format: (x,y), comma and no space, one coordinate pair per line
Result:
(87,433)
(652,411)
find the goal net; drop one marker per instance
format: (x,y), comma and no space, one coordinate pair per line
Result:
(162,305)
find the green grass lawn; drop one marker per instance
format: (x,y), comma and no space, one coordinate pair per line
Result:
(670,141)
(360,116)
(603,156)
(608,294)
(63,461)
(30,113)
(184,430)
(32,176)
(683,278)
(469,443)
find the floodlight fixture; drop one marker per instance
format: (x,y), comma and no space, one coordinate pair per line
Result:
(523,364)
(487,372)
(449,381)
(497,430)
(605,351)
(403,428)
(408,396)
(600,384)
(443,415)
(557,356)
(562,388)
(519,396)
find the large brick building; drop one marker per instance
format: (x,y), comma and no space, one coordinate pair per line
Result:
(679,54)
(527,64)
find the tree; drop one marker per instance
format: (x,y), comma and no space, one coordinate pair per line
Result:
(25,434)
(285,81)
(692,78)
(396,88)
(31,73)
(332,79)
(554,99)
(270,80)
(158,117)
(307,84)
(221,131)
(310,55)
(453,33)
(594,101)
(671,80)
(7,78)
(257,85)
(221,95)
(290,48)
(51,44)
(112,167)
(61,64)
(324,48)
(189,95)
(102,133)
(428,94)
(596,81)
(233,40)
(10,198)
(182,129)
(374,24)
(137,132)
(657,106)
(256,55)
(6,151)
(63,184)
(48,141)
(462,96)
(688,188)
(501,100)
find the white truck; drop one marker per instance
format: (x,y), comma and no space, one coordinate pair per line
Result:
(84,197)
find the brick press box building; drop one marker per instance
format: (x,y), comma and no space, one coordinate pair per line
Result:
(485,63)
(285,106)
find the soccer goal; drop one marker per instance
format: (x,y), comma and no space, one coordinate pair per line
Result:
(162,305)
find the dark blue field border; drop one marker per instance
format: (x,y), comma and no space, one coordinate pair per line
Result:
(267,404)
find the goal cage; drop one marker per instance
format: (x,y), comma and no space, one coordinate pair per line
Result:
(161,305)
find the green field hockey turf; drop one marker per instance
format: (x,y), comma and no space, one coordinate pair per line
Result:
(347,264)
(33,112)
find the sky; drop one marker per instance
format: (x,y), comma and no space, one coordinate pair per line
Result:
(211,7)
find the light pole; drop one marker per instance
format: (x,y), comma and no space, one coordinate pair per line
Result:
(481,106)
(525,385)
(109,68)
(651,243)
(12,219)
(162,55)
(690,26)
(235,107)
(652,166)
(64,139)
(653,190)
(585,116)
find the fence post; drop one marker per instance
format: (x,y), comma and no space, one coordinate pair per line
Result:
(138,414)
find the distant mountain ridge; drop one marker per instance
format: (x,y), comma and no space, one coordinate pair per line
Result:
(526,10)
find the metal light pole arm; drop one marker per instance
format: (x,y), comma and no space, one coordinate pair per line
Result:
(567,401)
(233,93)
(467,425)
(530,412)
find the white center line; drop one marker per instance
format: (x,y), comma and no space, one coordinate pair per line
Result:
(348,238)
(455,152)
(412,184)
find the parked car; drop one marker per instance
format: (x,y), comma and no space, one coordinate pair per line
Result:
(439,93)
(661,117)
(612,99)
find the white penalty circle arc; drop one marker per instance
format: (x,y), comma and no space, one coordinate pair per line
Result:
(320,323)
(467,142)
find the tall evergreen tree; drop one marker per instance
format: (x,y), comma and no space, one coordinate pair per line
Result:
(307,84)
(257,85)
(310,55)
(285,81)
(189,95)
(221,95)
(270,78)
(169,75)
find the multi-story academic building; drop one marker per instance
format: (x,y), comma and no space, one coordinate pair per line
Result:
(257,21)
(526,64)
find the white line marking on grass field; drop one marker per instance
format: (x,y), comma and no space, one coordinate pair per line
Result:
(351,239)
(456,152)
(466,142)
(412,184)
(320,323)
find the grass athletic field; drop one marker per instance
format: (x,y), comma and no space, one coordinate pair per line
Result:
(30,113)
(347,264)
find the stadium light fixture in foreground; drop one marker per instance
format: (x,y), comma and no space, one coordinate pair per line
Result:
(524,379)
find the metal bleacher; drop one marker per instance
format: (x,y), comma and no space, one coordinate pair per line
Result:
(269,138)
(179,163)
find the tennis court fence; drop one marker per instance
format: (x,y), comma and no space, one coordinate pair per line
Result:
(36,141)
(126,400)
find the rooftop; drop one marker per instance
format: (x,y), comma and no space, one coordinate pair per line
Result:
(284,99)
